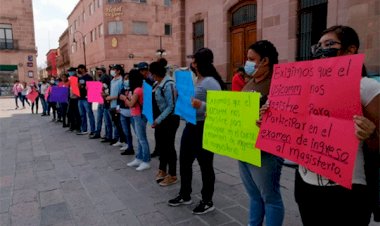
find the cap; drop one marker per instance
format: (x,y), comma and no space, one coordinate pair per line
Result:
(142,65)
(117,67)
(81,66)
(102,68)
(72,69)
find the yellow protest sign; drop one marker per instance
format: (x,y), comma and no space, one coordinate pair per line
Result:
(230,126)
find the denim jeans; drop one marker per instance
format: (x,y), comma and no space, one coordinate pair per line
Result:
(107,123)
(85,109)
(263,188)
(139,126)
(126,125)
(44,104)
(99,119)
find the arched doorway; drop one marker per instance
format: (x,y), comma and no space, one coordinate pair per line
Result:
(243,32)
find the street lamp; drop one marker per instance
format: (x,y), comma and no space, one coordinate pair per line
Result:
(161,52)
(83,43)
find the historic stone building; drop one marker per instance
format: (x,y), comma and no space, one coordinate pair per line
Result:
(17,43)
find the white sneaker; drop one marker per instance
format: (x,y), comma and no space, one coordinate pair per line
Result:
(118,144)
(134,163)
(143,166)
(124,148)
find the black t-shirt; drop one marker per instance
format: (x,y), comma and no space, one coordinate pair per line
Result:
(82,85)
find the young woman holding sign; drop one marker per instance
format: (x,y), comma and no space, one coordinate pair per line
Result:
(191,142)
(321,201)
(262,183)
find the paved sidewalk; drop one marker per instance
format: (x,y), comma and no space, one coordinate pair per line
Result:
(52,177)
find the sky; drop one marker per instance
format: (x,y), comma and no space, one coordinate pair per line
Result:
(50,21)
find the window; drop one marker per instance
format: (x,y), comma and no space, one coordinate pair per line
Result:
(83,16)
(91,9)
(198,35)
(100,30)
(115,27)
(139,1)
(75,25)
(93,35)
(78,20)
(140,28)
(85,39)
(6,36)
(246,14)
(167,2)
(99,3)
(168,29)
(312,20)
(114,1)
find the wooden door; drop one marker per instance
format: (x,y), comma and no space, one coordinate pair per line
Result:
(241,38)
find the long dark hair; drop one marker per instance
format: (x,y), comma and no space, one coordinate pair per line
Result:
(266,49)
(157,68)
(135,79)
(204,59)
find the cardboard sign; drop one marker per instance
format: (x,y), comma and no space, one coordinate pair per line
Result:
(94,92)
(310,116)
(74,85)
(185,89)
(32,96)
(147,104)
(59,94)
(230,125)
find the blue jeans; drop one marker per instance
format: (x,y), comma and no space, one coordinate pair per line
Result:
(263,187)
(107,123)
(139,126)
(85,109)
(126,125)
(99,119)
(44,104)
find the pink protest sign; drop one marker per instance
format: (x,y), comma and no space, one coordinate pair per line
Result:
(32,96)
(94,92)
(310,116)
(74,85)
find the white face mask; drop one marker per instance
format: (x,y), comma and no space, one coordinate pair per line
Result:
(113,73)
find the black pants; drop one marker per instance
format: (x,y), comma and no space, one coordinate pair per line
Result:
(73,114)
(165,138)
(332,205)
(53,106)
(63,111)
(116,122)
(191,149)
(35,103)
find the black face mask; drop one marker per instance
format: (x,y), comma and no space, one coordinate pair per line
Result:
(193,69)
(322,53)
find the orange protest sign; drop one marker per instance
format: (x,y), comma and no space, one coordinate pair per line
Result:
(310,116)
(74,85)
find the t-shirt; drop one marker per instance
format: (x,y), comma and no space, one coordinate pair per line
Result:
(237,82)
(201,87)
(136,109)
(82,85)
(369,89)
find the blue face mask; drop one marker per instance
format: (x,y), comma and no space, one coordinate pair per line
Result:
(249,67)
(71,73)
(126,84)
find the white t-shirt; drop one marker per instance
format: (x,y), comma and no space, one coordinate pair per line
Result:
(369,89)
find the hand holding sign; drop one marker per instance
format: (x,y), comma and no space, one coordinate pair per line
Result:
(185,88)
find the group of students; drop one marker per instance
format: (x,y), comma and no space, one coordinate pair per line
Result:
(320,201)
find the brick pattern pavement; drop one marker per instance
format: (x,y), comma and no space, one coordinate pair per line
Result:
(52,177)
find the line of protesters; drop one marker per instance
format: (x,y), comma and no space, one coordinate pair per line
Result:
(320,201)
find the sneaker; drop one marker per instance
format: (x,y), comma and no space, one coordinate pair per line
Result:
(143,166)
(106,140)
(135,163)
(94,136)
(179,201)
(169,180)
(82,133)
(161,175)
(128,152)
(155,154)
(204,207)
(118,144)
(125,147)
(91,134)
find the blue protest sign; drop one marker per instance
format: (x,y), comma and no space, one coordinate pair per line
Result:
(147,104)
(59,94)
(185,88)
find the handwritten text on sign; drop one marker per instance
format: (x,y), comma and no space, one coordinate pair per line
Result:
(310,118)
(230,126)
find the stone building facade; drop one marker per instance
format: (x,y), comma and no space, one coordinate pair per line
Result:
(17,43)
(63,57)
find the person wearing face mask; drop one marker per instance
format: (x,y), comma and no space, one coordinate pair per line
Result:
(105,80)
(117,73)
(73,110)
(208,78)
(238,81)
(85,108)
(43,88)
(125,119)
(34,88)
(315,193)
(262,183)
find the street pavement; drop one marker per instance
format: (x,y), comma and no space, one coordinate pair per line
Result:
(49,176)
